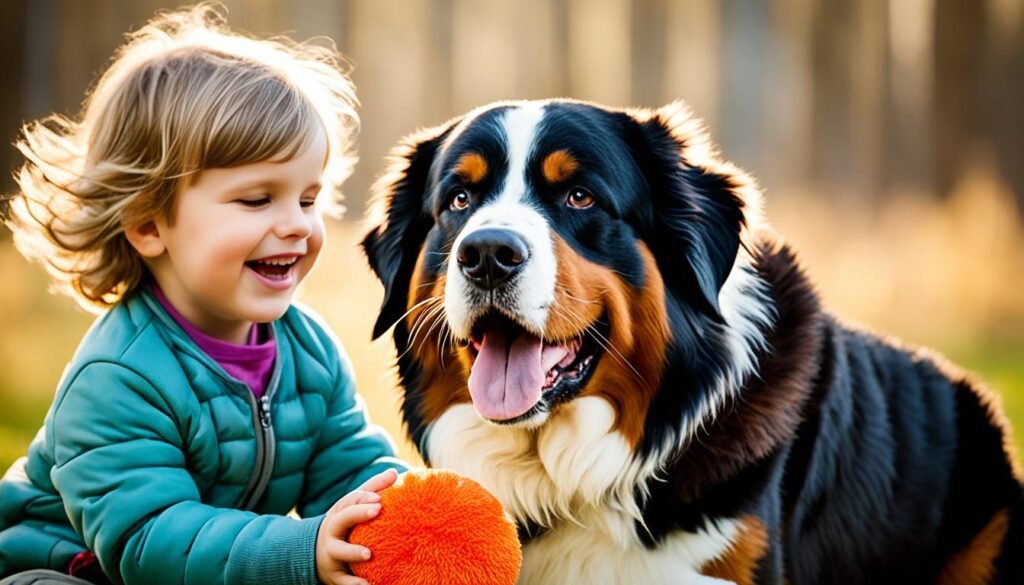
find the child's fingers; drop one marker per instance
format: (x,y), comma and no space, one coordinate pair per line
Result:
(367,493)
(382,480)
(348,553)
(343,520)
(358,496)
(345,579)
(342,554)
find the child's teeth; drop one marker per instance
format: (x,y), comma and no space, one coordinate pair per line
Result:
(282,262)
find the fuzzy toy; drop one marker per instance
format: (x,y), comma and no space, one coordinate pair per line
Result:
(436,527)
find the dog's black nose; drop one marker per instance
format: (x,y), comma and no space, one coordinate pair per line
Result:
(490,256)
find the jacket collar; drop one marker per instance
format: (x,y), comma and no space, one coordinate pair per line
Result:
(144,300)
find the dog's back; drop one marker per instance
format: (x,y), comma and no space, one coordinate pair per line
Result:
(898,472)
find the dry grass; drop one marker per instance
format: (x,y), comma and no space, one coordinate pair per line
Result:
(949,274)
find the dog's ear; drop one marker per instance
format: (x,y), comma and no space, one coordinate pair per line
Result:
(402,222)
(699,203)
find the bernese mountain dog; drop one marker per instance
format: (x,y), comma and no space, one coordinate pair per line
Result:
(593,321)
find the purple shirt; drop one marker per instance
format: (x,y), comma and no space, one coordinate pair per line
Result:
(251,362)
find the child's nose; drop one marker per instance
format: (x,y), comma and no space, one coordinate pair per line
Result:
(295,222)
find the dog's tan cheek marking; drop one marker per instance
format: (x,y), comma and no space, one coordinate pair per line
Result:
(419,291)
(442,380)
(579,286)
(416,288)
(975,564)
(739,563)
(559,166)
(638,334)
(472,167)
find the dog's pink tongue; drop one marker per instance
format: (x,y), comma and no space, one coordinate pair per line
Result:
(506,378)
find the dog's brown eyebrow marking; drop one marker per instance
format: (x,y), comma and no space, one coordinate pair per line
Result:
(559,166)
(472,167)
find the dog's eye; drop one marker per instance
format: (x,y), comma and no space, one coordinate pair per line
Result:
(579,198)
(459,200)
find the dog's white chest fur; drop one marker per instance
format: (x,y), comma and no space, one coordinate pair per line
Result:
(577,477)
(584,553)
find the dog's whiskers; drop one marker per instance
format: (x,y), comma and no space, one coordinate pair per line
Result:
(575,298)
(421,319)
(446,337)
(430,318)
(600,339)
(414,307)
(438,317)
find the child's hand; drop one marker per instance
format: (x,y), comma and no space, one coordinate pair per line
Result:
(333,552)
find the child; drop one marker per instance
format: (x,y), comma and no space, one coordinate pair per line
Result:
(203,406)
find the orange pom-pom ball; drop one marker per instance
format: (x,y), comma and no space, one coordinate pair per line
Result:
(438,527)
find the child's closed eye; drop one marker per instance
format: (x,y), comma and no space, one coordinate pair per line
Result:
(255,201)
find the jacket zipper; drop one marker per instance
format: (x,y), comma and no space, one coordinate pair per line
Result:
(263,467)
(266,445)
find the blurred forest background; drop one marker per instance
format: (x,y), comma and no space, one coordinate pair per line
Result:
(888,136)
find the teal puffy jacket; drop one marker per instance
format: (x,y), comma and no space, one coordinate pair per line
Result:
(171,471)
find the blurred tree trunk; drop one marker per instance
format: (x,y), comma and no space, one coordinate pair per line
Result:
(1003,96)
(599,60)
(831,57)
(648,55)
(908,97)
(870,77)
(693,54)
(16,84)
(787,109)
(955,89)
(745,27)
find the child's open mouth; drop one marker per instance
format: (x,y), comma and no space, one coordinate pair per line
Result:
(275,270)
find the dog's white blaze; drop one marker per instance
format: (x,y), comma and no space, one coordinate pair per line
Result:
(576,553)
(520,126)
(534,290)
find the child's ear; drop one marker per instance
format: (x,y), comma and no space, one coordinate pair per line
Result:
(145,238)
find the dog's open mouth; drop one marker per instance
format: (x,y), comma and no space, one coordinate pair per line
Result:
(516,374)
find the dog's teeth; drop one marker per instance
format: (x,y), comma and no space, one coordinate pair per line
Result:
(568,359)
(551,379)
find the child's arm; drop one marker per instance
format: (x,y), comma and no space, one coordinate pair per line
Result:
(350,449)
(28,537)
(121,466)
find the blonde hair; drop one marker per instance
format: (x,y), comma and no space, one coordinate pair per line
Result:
(183,94)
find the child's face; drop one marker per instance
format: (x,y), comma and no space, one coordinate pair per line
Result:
(242,240)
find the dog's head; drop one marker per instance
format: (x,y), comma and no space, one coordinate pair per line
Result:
(536,252)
